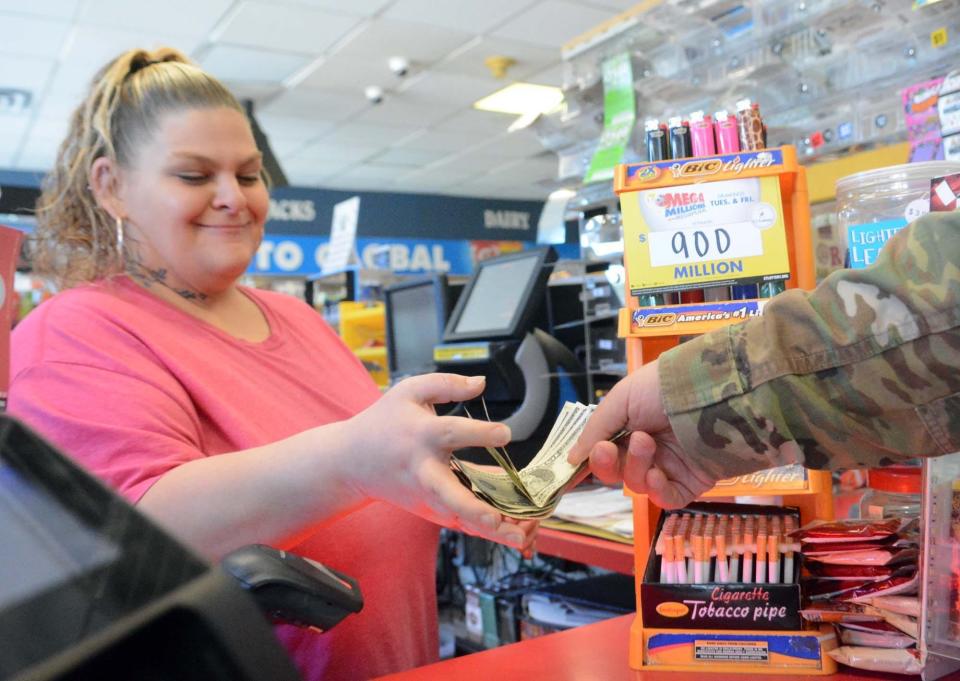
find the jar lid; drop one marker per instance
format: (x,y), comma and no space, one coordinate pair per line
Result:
(898,479)
(921,172)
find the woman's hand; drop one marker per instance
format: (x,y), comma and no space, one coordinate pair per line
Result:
(401,454)
(651,461)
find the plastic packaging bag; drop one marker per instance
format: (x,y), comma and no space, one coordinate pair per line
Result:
(830,589)
(839,612)
(872,627)
(904,581)
(886,555)
(904,623)
(846,530)
(898,660)
(905,605)
(854,637)
(858,571)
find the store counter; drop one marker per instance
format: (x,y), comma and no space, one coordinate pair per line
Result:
(595,652)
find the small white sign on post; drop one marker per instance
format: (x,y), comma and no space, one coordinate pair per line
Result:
(343,235)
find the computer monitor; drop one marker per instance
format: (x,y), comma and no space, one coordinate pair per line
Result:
(501,297)
(91,589)
(416,314)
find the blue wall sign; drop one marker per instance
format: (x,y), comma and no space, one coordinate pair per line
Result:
(300,255)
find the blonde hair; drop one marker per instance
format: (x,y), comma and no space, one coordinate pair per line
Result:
(76,240)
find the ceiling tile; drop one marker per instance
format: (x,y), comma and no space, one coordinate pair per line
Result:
(415,41)
(255,92)
(483,124)
(305,180)
(12,130)
(437,140)
(32,36)
(285,28)
(90,48)
(54,9)
(52,109)
(292,127)
(328,151)
(309,103)
(350,71)
(472,16)
(288,136)
(450,90)
(442,174)
(165,17)
(364,134)
(312,174)
(284,147)
(363,8)
(553,22)
(315,166)
(526,170)
(250,65)
(550,76)
(50,125)
(529,58)
(481,163)
(37,153)
(413,158)
(355,185)
(616,5)
(386,174)
(520,144)
(27,73)
(403,111)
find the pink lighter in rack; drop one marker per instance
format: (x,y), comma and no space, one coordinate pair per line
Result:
(728,140)
(701,134)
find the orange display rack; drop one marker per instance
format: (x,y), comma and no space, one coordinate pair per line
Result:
(650,331)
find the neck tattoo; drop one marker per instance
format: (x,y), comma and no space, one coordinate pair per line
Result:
(148,277)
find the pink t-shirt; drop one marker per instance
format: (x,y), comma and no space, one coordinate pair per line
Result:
(132,387)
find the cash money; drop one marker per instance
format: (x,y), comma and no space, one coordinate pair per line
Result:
(535,490)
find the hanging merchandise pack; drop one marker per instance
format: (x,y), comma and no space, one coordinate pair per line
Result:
(862,575)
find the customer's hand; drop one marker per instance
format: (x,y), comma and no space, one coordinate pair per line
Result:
(651,460)
(403,456)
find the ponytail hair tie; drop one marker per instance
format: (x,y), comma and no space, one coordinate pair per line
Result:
(138,64)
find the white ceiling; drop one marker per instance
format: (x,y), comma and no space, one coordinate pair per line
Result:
(305,63)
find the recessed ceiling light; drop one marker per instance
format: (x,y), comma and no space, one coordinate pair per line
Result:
(521,98)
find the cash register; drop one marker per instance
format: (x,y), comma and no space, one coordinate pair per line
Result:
(416,314)
(497,330)
(91,589)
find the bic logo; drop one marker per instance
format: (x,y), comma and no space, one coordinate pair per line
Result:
(658,319)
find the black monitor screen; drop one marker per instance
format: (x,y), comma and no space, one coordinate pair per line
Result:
(75,557)
(50,546)
(416,324)
(498,297)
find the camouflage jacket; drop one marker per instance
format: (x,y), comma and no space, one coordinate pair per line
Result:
(862,371)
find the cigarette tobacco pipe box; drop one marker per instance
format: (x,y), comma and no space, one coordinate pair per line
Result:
(712,605)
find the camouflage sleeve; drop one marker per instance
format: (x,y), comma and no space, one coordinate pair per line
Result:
(862,371)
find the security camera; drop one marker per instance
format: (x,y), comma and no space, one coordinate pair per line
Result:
(400,66)
(374,94)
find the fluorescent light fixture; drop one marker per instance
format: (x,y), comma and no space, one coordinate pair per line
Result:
(525,121)
(521,98)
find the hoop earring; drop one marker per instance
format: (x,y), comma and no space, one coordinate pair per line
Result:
(119,224)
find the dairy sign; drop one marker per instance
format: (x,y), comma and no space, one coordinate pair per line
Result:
(299,255)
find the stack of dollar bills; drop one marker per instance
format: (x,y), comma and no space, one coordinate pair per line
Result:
(535,490)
